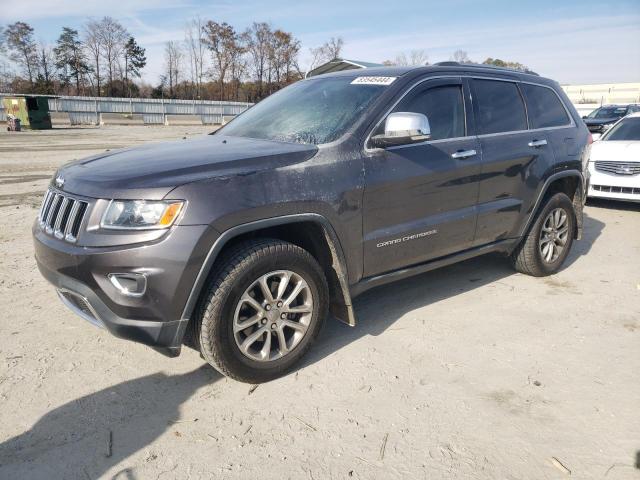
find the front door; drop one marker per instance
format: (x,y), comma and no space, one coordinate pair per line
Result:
(420,199)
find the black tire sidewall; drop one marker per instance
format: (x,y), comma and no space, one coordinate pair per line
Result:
(559,200)
(239,365)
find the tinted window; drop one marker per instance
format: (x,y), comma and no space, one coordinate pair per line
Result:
(544,107)
(627,130)
(443,106)
(499,107)
(608,112)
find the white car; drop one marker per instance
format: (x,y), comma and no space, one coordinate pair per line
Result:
(615,162)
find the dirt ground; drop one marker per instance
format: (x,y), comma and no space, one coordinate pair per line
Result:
(472,371)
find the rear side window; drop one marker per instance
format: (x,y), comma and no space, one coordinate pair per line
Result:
(544,107)
(443,106)
(499,107)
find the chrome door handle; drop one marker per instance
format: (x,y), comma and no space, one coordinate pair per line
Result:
(462,154)
(537,143)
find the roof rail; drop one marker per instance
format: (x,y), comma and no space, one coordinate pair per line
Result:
(451,63)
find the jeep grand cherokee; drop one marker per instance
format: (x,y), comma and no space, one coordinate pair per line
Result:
(240,242)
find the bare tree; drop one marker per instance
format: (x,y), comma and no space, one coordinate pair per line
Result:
(258,42)
(93,44)
(326,52)
(461,56)
(46,69)
(196,49)
(414,57)
(173,65)
(222,41)
(113,39)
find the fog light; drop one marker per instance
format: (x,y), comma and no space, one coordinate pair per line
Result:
(129,284)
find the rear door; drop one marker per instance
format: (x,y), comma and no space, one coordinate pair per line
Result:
(513,158)
(419,200)
(547,112)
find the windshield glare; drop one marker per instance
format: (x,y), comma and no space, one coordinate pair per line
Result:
(609,112)
(627,130)
(314,111)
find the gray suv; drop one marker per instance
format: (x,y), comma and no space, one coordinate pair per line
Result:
(239,243)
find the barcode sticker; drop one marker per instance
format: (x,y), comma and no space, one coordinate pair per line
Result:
(373,81)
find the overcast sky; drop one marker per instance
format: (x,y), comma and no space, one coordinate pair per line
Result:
(572,41)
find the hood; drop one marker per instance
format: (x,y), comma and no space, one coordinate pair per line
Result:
(151,171)
(616,151)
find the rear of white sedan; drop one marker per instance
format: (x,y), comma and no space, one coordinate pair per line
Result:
(615,162)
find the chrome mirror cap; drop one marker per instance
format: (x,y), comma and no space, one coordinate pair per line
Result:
(406,124)
(403,128)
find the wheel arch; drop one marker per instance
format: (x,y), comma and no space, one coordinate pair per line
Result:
(311,231)
(570,182)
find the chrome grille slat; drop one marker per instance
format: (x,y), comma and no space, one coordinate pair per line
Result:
(618,168)
(72,216)
(59,218)
(45,203)
(53,211)
(61,215)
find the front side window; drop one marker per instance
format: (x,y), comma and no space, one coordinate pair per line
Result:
(626,130)
(314,111)
(443,106)
(544,107)
(499,107)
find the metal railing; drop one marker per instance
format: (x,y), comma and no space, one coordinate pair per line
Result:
(89,110)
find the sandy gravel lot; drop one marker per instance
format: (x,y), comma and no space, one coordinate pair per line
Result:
(472,371)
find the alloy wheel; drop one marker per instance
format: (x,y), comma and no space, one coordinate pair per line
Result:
(554,235)
(273,315)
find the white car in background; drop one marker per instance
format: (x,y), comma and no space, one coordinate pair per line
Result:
(615,162)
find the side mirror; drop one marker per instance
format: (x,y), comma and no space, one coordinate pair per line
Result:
(584,117)
(403,128)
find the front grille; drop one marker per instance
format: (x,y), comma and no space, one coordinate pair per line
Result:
(613,189)
(61,215)
(618,168)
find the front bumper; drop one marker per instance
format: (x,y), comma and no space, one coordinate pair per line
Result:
(170,266)
(613,187)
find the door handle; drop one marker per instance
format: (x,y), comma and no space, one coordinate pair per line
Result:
(462,154)
(537,143)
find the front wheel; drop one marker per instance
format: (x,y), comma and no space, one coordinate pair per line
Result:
(547,244)
(262,310)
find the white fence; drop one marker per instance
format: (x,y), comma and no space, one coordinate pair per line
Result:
(90,110)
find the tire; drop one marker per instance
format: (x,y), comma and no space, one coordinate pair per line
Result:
(532,256)
(226,308)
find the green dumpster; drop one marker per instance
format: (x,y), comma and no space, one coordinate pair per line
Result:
(33,111)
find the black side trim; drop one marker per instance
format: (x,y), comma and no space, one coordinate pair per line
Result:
(332,238)
(371,282)
(543,191)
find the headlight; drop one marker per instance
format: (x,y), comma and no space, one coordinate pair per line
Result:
(607,126)
(141,214)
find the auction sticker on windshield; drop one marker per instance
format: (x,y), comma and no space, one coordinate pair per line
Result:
(373,81)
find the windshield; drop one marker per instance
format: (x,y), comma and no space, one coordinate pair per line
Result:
(627,129)
(312,111)
(608,112)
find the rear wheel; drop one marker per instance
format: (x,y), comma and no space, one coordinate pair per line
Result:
(262,311)
(548,242)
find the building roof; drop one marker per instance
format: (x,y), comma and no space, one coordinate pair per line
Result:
(339,64)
